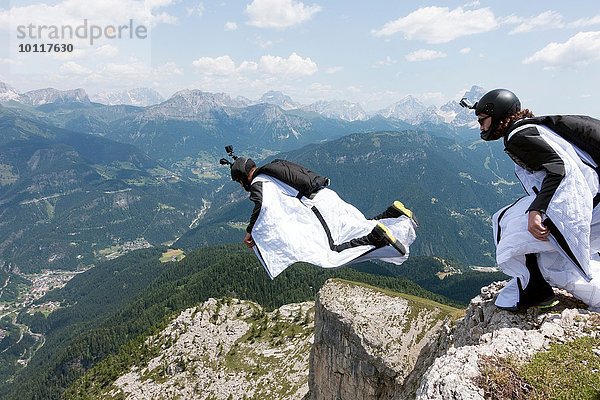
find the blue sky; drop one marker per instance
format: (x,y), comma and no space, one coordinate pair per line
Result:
(373,53)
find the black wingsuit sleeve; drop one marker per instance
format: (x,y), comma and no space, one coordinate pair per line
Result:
(256,196)
(534,154)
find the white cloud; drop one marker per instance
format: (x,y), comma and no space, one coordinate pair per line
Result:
(230,26)
(107,77)
(265,44)
(271,65)
(545,20)
(196,10)
(169,68)
(334,70)
(74,12)
(72,68)
(433,98)
(583,22)
(293,65)
(248,66)
(440,24)
(135,71)
(106,51)
(223,65)
(386,62)
(76,54)
(320,89)
(424,55)
(465,50)
(579,50)
(9,61)
(279,13)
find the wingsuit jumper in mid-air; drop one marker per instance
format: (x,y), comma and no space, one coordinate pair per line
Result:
(296,217)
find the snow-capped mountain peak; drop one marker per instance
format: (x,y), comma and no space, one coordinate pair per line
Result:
(8,93)
(142,97)
(279,99)
(50,95)
(339,109)
(454,114)
(408,109)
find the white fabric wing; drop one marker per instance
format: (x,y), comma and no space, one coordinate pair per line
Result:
(288,230)
(558,270)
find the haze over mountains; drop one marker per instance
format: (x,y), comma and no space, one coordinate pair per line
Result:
(408,109)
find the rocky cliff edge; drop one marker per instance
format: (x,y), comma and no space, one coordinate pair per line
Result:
(373,345)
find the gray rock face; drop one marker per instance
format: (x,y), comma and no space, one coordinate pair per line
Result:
(370,345)
(367,343)
(50,95)
(142,97)
(226,349)
(487,331)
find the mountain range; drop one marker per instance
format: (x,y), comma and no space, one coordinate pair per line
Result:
(77,177)
(86,184)
(408,109)
(141,97)
(67,196)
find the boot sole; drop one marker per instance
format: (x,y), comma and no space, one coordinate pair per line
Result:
(545,306)
(391,239)
(401,208)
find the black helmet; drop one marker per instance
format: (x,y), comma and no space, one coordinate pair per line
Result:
(498,104)
(240,169)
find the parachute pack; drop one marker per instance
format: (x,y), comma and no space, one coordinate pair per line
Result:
(579,130)
(305,181)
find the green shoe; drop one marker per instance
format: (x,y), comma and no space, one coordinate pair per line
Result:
(545,305)
(542,305)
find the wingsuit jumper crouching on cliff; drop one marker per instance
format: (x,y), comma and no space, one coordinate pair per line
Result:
(296,217)
(552,235)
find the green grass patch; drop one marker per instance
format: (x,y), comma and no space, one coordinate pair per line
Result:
(172,255)
(566,371)
(49,209)
(162,206)
(7,176)
(269,331)
(569,371)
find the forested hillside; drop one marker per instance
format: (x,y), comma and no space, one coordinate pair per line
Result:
(109,309)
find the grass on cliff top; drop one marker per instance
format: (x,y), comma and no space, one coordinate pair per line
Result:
(569,371)
(454,313)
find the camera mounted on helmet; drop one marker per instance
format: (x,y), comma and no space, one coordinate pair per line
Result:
(466,103)
(240,167)
(229,151)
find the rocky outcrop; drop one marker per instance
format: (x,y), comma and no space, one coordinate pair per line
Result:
(486,331)
(226,349)
(373,345)
(369,344)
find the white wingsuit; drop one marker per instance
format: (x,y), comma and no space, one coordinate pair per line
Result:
(291,229)
(566,262)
